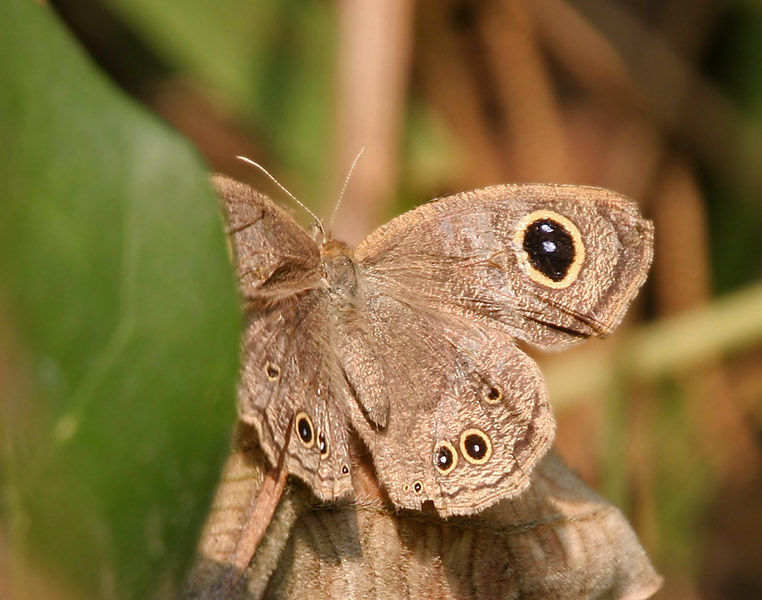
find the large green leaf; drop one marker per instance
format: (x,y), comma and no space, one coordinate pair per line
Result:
(118,292)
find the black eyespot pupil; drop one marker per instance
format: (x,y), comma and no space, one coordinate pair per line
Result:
(322,445)
(272,371)
(550,248)
(305,430)
(345,469)
(493,393)
(476,446)
(417,486)
(444,458)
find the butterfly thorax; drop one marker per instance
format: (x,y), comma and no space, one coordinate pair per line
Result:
(339,271)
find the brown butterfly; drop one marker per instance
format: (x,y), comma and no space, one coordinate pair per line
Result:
(409,340)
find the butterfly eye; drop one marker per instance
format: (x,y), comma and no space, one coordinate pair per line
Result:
(492,394)
(445,457)
(475,446)
(552,246)
(305,430)
(322,445)
(272,371)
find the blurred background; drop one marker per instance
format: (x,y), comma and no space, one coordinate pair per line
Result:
(661,101)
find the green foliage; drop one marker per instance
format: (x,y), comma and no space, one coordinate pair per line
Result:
(120,299)
(272,60)
(735,209)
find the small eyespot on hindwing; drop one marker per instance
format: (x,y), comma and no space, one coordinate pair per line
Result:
(304,429)
(445,457)
(322,445)
(492,393)
(475,446)
(272,371)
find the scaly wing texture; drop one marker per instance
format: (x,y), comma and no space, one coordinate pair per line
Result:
(444,289)
(469,415)
(291,388)
(479,254)
(292,392)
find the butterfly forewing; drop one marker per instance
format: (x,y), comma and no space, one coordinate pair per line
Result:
(552,264)
(274,256)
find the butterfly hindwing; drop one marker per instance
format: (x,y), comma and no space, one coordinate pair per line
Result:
(292,392)
(469,414)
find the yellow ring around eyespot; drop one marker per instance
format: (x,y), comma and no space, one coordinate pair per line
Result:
(271,366)
(451,448)
(579,249)
(487,389)
(484,437)
(299,417)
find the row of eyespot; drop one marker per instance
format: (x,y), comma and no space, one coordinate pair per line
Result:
(306,432)
(302,422)
(475,446)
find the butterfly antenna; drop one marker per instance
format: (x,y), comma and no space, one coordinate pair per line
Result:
(344,187)
(271,177)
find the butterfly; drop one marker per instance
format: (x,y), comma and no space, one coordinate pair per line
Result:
(408,342)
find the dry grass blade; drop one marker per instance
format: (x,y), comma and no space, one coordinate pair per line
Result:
(375,43)
(534,125)
(681,100)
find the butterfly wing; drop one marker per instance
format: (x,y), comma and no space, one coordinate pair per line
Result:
(292,391)
(274,256)
(291,388)
(551,264)
(448,287)
(469,415)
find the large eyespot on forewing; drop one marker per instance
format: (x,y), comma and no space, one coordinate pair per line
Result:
(551,250)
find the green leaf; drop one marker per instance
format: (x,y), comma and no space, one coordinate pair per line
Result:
(115,280)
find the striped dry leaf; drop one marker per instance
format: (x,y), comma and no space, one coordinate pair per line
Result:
(559,539)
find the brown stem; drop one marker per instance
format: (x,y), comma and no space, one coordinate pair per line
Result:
(259,519)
